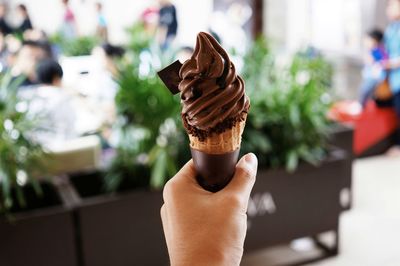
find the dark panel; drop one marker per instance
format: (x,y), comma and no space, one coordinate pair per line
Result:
(44,241)
(125,230)
(289,206)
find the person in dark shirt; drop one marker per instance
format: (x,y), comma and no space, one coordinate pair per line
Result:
(168,23)
(4,26)
(26,23)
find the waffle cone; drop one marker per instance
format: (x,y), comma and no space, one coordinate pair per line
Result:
(221,143)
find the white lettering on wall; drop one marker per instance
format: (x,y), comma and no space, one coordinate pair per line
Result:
(261,204)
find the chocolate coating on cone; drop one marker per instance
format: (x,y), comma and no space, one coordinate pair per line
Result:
(214,171)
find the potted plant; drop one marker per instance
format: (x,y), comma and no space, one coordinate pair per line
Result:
(79,46)
(34,219)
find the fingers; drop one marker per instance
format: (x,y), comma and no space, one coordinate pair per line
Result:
(244,177)
(163,213)
(186,174)
(185,179)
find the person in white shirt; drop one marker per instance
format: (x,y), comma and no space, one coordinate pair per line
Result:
(51,105)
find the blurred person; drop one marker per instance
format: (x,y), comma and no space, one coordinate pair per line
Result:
(13,46)
(110,54)
(101,87)
(49,73)
(373,72)
(392,41)
(26,23)
(204,228)
(101,28)
(5,28)
(51,104)
(69,27)
(35,35)
(392,44)
(27,58)
(167,24)
(101,84)
(149,17)
(4,54)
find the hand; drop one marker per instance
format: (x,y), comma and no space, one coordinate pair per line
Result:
(204,228)
(391,64)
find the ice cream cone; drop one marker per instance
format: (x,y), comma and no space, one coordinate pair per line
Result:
(215,157)
(214,110)
(225,142)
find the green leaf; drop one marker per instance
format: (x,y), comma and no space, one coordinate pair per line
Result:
(292,161)
(294,115)
(36,186)
(20,196)
(6,189)
(159,170)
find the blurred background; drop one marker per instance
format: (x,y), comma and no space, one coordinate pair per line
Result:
(90,135)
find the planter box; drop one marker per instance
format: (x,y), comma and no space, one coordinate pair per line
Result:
(284,206)
(125,228)
(122,229)
(341,136)
(41,235)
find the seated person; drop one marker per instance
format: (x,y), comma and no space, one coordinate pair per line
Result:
(101,86)
(51,105)
(373,72)
(27,58)
(26,23)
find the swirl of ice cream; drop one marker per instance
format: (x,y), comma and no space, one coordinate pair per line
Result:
(211,91)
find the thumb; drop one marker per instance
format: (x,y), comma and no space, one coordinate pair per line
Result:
(245,176)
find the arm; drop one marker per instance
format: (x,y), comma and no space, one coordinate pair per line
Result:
(162,34)
(204,228)
(391,64)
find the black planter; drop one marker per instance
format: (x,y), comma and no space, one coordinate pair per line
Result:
(341,136)
(42,234)
(284,206)
(122,229)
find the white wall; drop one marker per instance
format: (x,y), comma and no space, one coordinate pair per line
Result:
(193,15)
(330,25)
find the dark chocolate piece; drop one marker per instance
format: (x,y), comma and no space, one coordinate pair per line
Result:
(214,171)
(170,76)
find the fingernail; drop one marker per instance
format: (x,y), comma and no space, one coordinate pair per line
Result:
(251,158)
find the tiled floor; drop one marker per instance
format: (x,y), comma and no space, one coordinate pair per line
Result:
(370,232)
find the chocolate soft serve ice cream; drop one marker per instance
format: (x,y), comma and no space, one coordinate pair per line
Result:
(214,110)
(213,96)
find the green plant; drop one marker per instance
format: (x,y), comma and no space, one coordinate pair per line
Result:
(20,155)
(130,162)
(148,111)
(287,122)
(75,47)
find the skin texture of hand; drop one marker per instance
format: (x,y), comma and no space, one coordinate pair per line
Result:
(205,228)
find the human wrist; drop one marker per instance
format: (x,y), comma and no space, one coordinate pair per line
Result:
(208,257)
